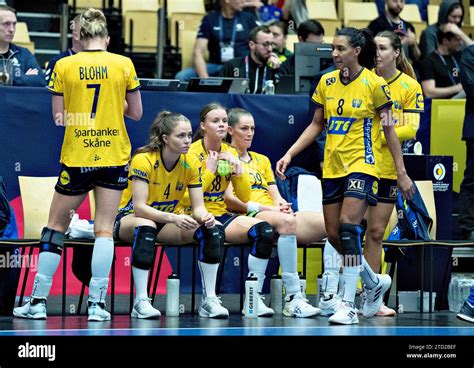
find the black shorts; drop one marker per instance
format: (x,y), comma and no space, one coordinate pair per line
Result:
(121,215)
(388,191)
(79,180)
(227,218)
(356,185)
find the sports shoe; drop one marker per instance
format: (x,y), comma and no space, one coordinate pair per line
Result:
(263,310)
(211,308)
(97,312)
(345,315)
(374,297)
(466,313)
(385,311)
(299,307)
(33,309)
(143,309)
(329,304)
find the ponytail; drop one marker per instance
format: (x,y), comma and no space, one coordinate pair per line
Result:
(402,62)
(364,39)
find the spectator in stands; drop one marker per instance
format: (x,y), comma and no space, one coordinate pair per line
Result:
(76,46)
(18,66)
(225,35)
(280,32)
(160,173)
(390,21)
(95,155)
(266,203)
(466,196)
(440,70)
(450,11)
(259,66)
(308,31)
(295,12)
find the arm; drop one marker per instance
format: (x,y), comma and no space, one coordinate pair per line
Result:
(431,91)
(200,47)
(57,103)
(133,107)
(410,39)
(140,197)
(236,205)
(200,212)
(306,138)
(32,75)
(407,130)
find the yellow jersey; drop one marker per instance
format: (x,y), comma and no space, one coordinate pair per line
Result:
(407,97)
(353,142)
(94,84)
(165,187)
(258,172)
(213,185)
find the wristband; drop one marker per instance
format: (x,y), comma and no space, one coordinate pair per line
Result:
(253,207)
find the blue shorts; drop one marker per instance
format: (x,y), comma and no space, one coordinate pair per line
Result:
(79,180)
(388,191)
(227,218)
(356,185)
(121,215)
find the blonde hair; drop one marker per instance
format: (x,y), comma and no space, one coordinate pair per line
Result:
(93,24)
(164,123)
(402,61)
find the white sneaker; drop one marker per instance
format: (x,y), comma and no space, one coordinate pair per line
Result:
(143,309)
(300,308)
(97,312)
(211,308)
(385,311)
(374,296)
(345,315)
(263,310)
(33,309)
(329,304)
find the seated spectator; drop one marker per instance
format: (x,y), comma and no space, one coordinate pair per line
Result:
(440,70)
(450,11)
(76,47)
(280,32)
(225,34)
(309,31)
(258,67)
(18,66)
(390,21)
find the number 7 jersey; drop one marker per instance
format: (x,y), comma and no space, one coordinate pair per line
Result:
(94,84)
(353,142)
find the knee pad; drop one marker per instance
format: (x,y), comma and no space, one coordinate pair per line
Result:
(51,241)
(144,247)
(262,236)
(350,236)
(210,243)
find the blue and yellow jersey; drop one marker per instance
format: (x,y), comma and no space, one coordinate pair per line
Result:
(258,172)
(213,185)
(407,98)
(93,84)
(353,142)
(165,187)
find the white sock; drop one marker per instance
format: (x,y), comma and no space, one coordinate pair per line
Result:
(368,276)
(208,278)
(351,277)
(258,266)
(48,263)
(41,286)
(287,255)
(98,289)
(140,278)
(102,256)
(332,264)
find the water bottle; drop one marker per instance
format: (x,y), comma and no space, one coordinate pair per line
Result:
(452,294)
(251,297)
(269,87)
(276,294)
(303,284)
(172,296)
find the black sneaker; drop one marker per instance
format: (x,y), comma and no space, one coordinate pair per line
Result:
(466,313)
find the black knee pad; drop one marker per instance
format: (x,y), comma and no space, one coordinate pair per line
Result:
(51,241)
(350,236)
(262,236)
(210,243)
(144,247)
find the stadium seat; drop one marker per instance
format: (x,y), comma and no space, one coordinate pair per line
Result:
(22,37)
(187,38)
(291,39)
(471,16)
(411,13)
(85,4)
(359,15)
(433,11)
(144,24)
(186,6)
(179,22)
(326,13)
(340,7)
(148,5)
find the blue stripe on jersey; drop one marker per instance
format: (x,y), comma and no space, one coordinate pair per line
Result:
(256,186)
(165,206)
(216,194)
(339,125)
(369,153)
